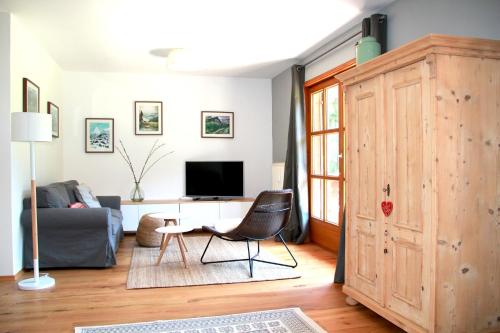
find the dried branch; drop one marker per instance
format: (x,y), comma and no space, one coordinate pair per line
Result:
(152,164)
(126,153)
(126,158)
(151,153)
(146,166)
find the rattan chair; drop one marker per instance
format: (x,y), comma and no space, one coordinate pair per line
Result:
(267,217)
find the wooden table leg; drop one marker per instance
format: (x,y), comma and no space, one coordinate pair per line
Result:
(181,247)
(183,242)
(163,237)
(168,221)
(163,248)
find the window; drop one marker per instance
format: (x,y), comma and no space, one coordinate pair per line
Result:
(325,142)
(324,151)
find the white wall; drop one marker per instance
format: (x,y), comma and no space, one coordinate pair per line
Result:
(184,97)
(6,257)
(81,95)
(407,21)
(28,59)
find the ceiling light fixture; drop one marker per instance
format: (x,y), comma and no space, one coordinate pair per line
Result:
(173,56)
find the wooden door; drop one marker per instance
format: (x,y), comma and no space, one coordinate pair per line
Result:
(365,179)
(409,174)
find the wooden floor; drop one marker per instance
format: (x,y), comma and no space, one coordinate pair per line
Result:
(98,296)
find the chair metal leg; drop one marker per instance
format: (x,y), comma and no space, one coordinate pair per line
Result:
(206,248)
(219,261)
(250,264)
(277,263)
(250,258)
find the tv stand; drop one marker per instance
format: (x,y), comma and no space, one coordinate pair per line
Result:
(201,210)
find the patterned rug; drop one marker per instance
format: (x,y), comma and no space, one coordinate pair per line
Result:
(291,320)
(144,273)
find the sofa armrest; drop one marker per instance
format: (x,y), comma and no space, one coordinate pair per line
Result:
(110,201)
(74,218)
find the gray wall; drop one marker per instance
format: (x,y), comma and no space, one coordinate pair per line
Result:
(407,21)
(281,90)
(410,19)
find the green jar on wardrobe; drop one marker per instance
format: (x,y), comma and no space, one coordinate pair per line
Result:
(367,49)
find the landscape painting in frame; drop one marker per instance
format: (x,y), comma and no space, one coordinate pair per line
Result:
(99,135)
(31,96)
(53,110)
(217,124)
(148,118)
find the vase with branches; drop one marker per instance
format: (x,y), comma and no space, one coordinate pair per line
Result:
(137,193)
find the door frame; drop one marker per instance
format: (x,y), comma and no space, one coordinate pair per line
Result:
(325,234)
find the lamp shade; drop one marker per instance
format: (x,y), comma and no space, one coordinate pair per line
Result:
(31,127)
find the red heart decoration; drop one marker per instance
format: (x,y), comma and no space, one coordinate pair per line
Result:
(387,207)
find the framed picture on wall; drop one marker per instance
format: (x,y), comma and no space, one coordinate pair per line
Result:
(99,135)
(148,118)
(31,96)
(53,110)
(217,124)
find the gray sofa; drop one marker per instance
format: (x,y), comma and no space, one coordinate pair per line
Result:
(72,237)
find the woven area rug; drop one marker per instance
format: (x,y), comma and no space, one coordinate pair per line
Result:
(291,320)
(144,273)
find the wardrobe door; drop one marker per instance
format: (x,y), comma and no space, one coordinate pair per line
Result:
(365,150)
(409,173)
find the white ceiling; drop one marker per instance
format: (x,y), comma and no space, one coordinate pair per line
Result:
(250,38)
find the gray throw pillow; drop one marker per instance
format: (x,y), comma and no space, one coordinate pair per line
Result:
(52,196)
(85,196)
(49,197)
(70,186)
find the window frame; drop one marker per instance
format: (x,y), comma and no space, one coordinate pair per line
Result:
(326,234)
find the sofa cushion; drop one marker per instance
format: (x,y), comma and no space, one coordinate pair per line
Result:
(85,196)
(52,196)
(70,186)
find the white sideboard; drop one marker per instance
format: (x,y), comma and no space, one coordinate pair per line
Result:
(198,213)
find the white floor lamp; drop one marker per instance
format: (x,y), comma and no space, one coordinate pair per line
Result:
(33,127)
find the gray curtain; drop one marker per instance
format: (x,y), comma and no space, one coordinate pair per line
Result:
(340,267)
(295,176)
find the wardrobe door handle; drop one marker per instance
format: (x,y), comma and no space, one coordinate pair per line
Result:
(387,190)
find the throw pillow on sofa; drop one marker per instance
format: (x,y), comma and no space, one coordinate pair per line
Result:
(85,196)
(77,205)
(52,196)
(70,186)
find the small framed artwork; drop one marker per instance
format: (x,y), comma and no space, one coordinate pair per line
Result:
(148,118)
(99,135)
(217,124)
(31,96)
(53,110)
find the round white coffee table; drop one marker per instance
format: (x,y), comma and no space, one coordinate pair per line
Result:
(176,232)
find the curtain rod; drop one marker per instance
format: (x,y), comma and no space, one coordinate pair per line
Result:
(331,49)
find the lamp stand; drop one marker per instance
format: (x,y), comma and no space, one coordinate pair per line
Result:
(36,282)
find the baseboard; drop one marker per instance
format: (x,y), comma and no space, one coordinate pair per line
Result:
(11,277)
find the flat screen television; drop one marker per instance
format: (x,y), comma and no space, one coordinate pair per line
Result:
(223,179)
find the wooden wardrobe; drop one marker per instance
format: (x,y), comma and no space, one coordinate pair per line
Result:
(423,131)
